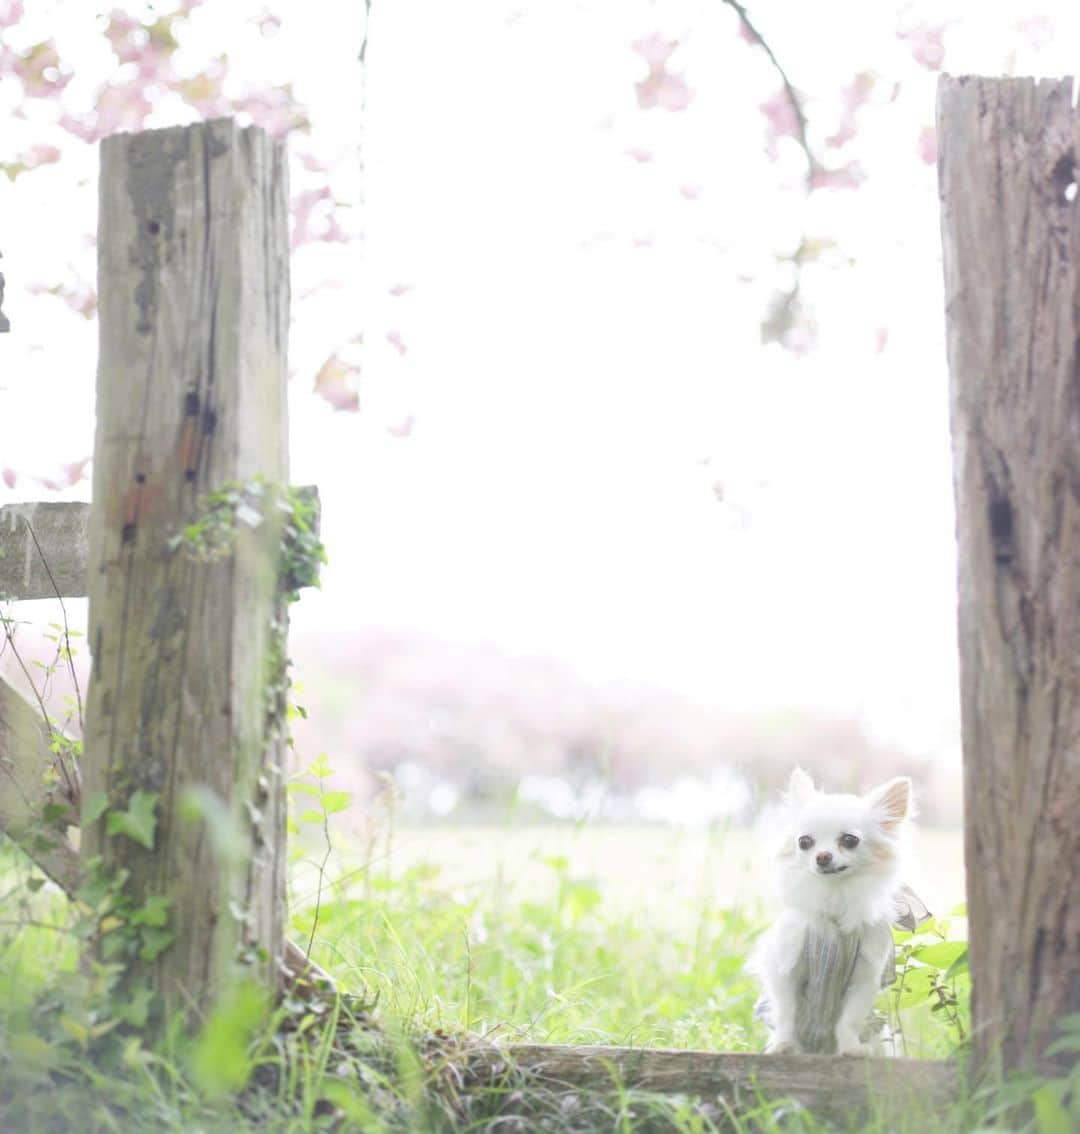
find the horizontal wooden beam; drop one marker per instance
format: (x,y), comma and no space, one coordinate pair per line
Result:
(831,1087)
(60,531)
(43,535)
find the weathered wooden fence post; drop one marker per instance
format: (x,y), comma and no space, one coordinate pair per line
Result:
(1009,160)
(193,286)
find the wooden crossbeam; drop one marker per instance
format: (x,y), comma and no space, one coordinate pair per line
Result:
(828,1086)
(44,548)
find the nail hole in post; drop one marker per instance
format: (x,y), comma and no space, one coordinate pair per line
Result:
(1001,529)
(1064,178)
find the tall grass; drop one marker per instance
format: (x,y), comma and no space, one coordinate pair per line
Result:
(431,955)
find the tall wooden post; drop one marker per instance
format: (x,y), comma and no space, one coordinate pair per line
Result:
(187,651)
(1008,167)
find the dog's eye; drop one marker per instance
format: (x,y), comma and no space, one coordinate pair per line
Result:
(849,842)
(805,842)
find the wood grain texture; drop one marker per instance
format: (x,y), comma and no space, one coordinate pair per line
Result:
(837,1088)
(44,547)
(193,308)
(1008,155)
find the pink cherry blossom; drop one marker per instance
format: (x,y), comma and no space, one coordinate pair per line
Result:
(403,427)
(855,95)
(39,69)
(336,383)
(849,176)
(926,42)
(661,88)
(655,49)
(780,115)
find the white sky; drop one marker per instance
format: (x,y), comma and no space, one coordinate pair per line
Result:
(577,397)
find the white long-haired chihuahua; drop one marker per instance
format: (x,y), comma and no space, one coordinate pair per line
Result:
(830,952)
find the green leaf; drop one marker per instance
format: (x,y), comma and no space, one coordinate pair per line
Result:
(76,1029)
(319,768)
(334,801)
(52,813)
(916,987)
(1051,1116)
(135,1013)
(960,965)
(940,955)
(32,1056)
(94,807)
(220,1060)
(310,817)
(138,822)
(154,942)
(154,913)
(1067,1043)
(201,803)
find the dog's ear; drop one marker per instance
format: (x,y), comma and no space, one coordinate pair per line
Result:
(800,787)
(891,803)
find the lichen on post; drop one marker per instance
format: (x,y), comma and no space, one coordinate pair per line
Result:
(184,794)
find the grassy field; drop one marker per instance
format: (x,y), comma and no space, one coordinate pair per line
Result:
(564,933)
(559,934)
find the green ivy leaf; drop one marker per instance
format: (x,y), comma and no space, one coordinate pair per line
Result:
(135,1013)
(138,822)
(154,913)
(334,801)
(154,941)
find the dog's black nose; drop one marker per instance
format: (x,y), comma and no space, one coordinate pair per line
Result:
(823,858)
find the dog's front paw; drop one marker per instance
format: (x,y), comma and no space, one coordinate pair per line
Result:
(780,1045)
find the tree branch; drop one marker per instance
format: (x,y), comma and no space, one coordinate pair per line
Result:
(813,165)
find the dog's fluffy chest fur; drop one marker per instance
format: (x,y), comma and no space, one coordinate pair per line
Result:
(823,959)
